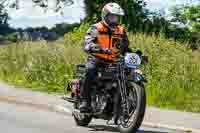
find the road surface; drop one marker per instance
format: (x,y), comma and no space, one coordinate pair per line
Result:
(17,118)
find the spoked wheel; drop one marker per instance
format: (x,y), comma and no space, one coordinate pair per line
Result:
(137,106)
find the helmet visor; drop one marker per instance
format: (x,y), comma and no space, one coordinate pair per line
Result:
(113,19)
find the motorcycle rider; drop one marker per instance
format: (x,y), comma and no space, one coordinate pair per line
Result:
(102,39)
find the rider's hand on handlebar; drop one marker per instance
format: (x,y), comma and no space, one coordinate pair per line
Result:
(95,48)
(106,51)
(113,52)
(98,49)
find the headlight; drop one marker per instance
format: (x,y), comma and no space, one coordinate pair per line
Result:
(132,60)
(138,71)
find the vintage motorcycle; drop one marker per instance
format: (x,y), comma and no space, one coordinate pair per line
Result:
(118,86)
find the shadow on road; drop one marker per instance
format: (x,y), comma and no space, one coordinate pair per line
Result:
(114,129)
(146,131)
(102,128)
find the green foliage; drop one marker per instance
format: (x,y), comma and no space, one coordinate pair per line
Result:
(39,65)
(193,14)
(188,15)
(2,38)
(12,37)
(63,28)
(172,73)
(4,27)
(3,15)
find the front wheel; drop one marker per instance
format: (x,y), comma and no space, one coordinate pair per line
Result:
(137,107)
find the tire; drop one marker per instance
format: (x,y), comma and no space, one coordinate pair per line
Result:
(84,121)
(140,110)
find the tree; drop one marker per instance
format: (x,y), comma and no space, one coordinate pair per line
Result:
(59,4)
(177,14)
(3,15)
(192,15)
(189,15)
(4,27)
(63,28)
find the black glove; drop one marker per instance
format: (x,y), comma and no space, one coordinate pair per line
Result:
(95,48)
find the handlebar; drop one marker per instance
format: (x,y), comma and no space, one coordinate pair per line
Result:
(101,51)
(120,57)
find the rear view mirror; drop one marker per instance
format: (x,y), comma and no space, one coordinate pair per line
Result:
(145,59)
(139,52)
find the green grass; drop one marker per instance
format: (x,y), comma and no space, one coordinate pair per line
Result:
(173,71)
(40,66)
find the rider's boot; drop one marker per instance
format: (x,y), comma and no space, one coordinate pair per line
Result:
(85,97)
(115,119)
(85,107)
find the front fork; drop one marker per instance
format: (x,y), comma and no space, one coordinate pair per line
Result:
(122,82)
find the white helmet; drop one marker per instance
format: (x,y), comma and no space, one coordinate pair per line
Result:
(111,9)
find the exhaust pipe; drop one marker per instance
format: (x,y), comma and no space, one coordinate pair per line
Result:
(69,99)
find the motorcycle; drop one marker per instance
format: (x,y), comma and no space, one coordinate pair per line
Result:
(118,90)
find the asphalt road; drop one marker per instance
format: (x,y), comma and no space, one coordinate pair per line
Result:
(15,118)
